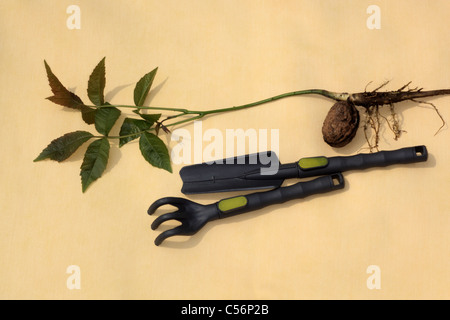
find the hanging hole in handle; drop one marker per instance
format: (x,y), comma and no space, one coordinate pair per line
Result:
(337,180)
(421,152)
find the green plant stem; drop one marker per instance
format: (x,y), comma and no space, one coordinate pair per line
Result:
(200,114)
(332,95)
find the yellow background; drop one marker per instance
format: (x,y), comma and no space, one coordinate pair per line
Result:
(214,54)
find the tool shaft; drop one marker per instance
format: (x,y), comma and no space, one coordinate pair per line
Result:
(367,160)
(242,204)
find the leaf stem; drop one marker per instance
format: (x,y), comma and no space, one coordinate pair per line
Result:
(184,111)
(124,136)
(201,115)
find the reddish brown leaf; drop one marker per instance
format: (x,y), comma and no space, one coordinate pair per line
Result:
(66,98)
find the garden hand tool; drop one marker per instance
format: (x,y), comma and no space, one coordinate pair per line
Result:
(241,173)
(244,175)
(193,216)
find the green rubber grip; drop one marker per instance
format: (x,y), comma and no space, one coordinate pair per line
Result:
(231,204)
(313,163)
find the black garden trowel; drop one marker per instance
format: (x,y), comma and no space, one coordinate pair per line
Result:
(263,170)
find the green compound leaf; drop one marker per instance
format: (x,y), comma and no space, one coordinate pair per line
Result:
(132,126)
(65,98)
(143,87)
(94,162)
(105,118)
(155,151)
(63,147)
(96,84)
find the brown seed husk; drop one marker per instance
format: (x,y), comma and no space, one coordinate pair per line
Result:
(340,124)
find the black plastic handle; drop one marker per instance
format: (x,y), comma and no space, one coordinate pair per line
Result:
(242,204)
(309,167)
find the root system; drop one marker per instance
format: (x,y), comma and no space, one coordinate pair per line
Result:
(338,128)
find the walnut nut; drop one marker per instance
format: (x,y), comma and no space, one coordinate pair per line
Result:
(340,124)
